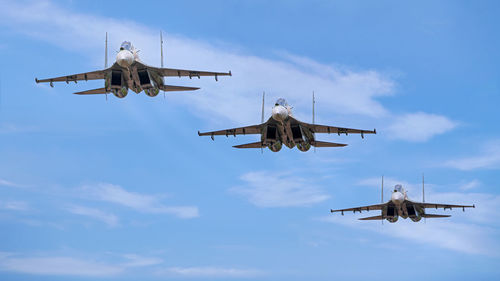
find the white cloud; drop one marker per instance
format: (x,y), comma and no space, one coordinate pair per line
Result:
(489,158)
(65,266)
(233,98)
(140,202)
(140,261)
(268,189)
(212,272)
(14,205)
(470,185)
(420,126)
(8,183)
(8,128)
(460,237)
(107,218)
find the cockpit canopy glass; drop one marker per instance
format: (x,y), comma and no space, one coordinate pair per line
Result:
(398,188)
(126,46)
(281,102)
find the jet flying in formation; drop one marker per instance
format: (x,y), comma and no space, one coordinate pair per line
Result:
(401,206)
(282,128)
(129,72)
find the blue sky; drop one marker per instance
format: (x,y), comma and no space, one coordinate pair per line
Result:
(125,189)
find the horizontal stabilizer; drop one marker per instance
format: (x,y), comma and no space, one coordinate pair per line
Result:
(372,218)
(92,92)
(250,145)
(327,144)
(170,88)
(435,216)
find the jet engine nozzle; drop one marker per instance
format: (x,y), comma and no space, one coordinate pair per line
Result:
(280,113)
(125,58)
(397,198)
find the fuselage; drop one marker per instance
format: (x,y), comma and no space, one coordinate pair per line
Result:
(129,73)
(283,131)
(400,206)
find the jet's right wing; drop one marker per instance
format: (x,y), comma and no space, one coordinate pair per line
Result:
(359,209)
(248,130)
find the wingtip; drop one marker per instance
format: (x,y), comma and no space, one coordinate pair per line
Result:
(375,131)
(331,210)
(230,74)
(36,80)
(199,134)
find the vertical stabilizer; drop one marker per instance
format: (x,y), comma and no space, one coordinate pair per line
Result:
(423,189)
(263,97)
(262,117)
(161,48)
(382,198)
(106,52)
(313,108)
(313,117)
(382,189)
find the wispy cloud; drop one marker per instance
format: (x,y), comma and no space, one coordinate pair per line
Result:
(66,266)
(14,205)
(210,272)
(460,237)
(107,218)
(470,185)
(140,261)
(489,158)
(4,182)
(420,126)
(9,128)
(140,202)
(267,189)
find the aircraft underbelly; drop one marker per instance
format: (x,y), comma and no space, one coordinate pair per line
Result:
(286,134)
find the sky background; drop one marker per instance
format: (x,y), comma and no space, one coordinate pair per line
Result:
(125,189)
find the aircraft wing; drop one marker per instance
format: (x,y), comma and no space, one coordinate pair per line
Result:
(334,130)
(248,130)
(359,209)
(93,75)
(444,206)
(169,72)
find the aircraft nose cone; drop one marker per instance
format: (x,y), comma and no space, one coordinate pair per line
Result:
(397,198)
(280,113)
(125,58)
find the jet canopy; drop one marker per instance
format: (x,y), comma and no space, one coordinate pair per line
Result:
(282,102)
(126,45)
(398,188)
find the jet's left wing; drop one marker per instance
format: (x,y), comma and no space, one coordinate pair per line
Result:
(248,130)
(359,209)
(93,75)
(333,130)
(170,72)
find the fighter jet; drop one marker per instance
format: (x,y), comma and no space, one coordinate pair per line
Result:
(282,128)
(401,206)
(129,72)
